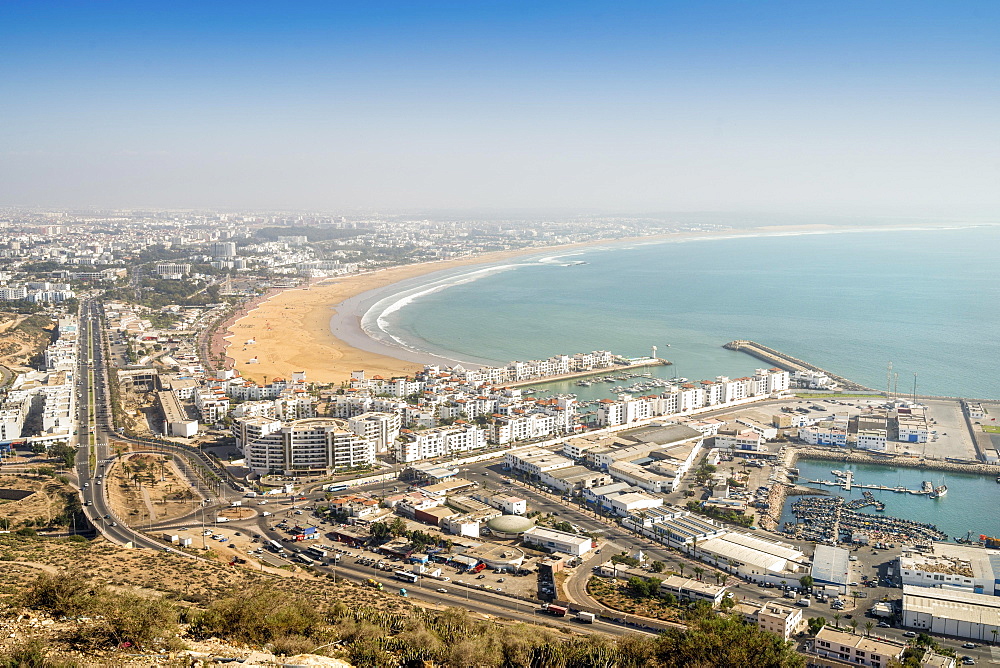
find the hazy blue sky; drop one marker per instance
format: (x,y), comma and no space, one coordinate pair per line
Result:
(874,106)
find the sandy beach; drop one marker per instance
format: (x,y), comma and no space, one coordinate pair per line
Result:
(292,330)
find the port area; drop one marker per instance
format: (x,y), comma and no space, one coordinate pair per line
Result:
(789,363)
(628,365)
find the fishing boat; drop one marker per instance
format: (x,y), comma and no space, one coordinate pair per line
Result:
(926,487)
(939,491)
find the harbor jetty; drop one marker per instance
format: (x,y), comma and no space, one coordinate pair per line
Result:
(789,363)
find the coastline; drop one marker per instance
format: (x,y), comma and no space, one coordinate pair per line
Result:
(317,329)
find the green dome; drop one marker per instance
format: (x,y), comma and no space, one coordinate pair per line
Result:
(510,524)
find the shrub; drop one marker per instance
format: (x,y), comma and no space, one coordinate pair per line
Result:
(64,593)
(259,616)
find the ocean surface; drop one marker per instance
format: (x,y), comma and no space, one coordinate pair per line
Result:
(848,301)
(962,510)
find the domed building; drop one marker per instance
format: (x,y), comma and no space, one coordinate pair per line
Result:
(509,527)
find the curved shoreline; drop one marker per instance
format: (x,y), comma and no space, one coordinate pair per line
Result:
(318,329)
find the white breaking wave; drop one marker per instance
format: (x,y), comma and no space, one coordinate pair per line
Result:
(375,321)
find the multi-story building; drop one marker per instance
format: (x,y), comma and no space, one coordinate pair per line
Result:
(380,428)
(782,620)
(413,446)
(212,404)
(738,439)
(856,649)
(310,446)
(873,439)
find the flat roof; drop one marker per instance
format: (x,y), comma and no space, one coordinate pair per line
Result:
(681,584)
(871,645)
(751,550)
(831,565)
(556,536)
(959,605)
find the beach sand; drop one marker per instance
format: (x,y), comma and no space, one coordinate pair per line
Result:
(292,329)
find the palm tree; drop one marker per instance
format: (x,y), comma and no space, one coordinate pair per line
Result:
(698,570)
(868,627)
(994,632)
(854,625)
(836,619)
(680,567)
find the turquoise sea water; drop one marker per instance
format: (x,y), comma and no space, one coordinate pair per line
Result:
(848,302)
(965,508)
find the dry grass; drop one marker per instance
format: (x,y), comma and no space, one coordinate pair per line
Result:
(47,502)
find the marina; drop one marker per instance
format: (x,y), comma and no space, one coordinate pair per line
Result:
(958,512)
(832,519)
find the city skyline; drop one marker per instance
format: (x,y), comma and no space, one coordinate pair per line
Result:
(785,107)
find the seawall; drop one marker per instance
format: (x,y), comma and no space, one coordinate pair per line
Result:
(789,363)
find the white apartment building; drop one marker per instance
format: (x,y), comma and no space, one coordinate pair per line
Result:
(13,411)
(506,429)
(311,446)
(413,446)
(212,404)
(380,428)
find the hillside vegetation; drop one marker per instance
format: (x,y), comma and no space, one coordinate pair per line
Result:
(112,604)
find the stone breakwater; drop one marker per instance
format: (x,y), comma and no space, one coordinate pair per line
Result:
(855,457)
(789,363)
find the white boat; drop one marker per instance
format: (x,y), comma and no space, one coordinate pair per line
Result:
(939,491)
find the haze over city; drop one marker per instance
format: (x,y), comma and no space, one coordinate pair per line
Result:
(859,108)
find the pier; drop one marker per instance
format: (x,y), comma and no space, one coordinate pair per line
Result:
(789,363)
(846,485)
(575,375)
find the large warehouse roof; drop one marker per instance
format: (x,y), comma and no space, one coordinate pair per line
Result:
(831,565)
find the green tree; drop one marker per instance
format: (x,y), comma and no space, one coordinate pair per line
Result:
(869,625)
(397,527)
(698,571)
(815,624)
(657,566)
(854,625)
(806,581)
(723,641)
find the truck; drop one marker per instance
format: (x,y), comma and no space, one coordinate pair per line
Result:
(402,592)
(556,610)
(374,583)
(585,617)
(478,567)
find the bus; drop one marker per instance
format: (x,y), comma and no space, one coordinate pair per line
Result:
(274,545)
(406,576)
